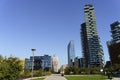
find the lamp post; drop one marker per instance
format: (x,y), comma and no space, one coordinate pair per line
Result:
(101,70)
(33,61)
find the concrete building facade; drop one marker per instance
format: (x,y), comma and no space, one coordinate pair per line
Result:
(55,63)
(91,47)
(114,44)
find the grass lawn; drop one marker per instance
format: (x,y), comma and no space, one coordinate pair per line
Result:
(38,79)
(86,77)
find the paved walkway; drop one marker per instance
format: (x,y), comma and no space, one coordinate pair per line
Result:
(114,79)
(55,77)
(59,77)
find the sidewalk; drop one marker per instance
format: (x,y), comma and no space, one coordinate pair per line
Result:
(114,79)
(33,78)
(55,77)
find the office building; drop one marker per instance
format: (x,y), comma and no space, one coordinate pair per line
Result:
(37,62)
(46,62)
(71,53)
(79,62)
(115,30)
(114,44)
(28,63)
(40,62)
(108,64)
(91,47)
(55,63)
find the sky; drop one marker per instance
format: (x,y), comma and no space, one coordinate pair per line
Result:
(49,25)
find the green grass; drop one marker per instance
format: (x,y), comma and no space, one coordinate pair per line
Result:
(38,79)
(86,77)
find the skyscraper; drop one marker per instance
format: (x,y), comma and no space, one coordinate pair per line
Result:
(91,48)
(114,44)
(115,30)
(71,53)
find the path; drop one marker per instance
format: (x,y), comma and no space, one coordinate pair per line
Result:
(114,79)
(55,77)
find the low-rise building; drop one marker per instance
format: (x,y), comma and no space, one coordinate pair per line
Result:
(28,63)
(79,62)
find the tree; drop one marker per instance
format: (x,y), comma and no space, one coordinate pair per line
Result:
(67,70)
(3,69)
(26,73)
(10,68)
(75,70)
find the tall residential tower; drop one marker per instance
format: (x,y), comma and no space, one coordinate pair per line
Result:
(91,48)
(115,30)
(114,44)
(71,53)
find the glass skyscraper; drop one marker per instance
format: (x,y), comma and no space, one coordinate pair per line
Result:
(71,53)
(91,48)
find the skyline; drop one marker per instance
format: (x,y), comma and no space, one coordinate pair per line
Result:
(48,26)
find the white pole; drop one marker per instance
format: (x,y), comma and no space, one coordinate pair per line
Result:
(32,61)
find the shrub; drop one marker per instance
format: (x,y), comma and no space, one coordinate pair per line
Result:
(10,68)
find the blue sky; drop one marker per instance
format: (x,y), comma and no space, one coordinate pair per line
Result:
(49,25)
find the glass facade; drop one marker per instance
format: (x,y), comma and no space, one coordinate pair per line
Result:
(28,64)
(40,62)
(37,62)
(46,62)
(71,53)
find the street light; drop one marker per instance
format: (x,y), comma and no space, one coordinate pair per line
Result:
(33,61)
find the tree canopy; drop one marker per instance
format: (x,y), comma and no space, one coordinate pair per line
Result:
(10,68)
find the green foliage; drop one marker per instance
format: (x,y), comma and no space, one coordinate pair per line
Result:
(67,70)
(36,73)
(95,70)
(113,68)
(3,70)
(26,73)
(47,73)
(86,77)
(41,72)
(10,68)
(75,70)
(38,79)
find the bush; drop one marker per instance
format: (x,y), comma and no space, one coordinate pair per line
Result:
(38,72)
(75,70)
(10,68)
